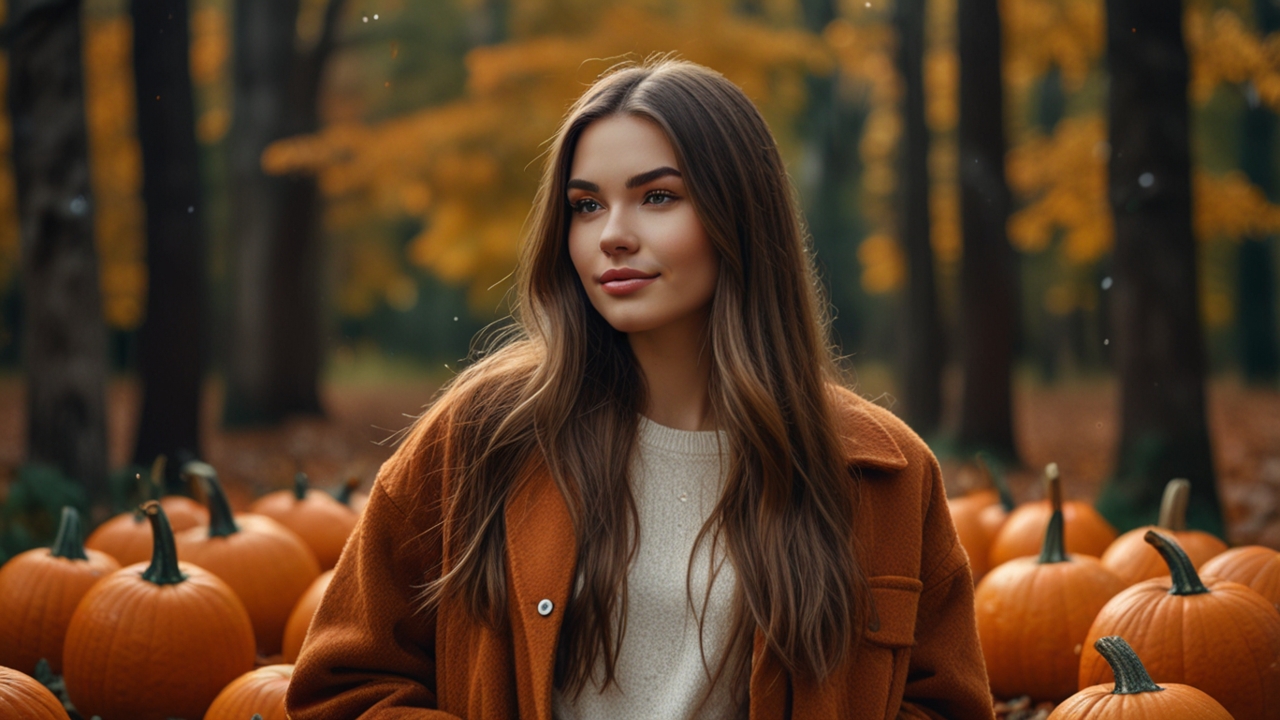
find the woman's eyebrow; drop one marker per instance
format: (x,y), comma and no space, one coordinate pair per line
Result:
(645,178)
(582,185)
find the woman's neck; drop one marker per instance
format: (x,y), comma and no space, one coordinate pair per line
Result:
(675,361)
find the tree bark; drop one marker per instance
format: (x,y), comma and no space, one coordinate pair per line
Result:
(988,268)
(921,343)
(832,126)
(1259,335)
(173,338)
(64,334)
(277,337)
(1159,348)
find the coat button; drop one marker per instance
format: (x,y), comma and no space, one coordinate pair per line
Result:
(545,607)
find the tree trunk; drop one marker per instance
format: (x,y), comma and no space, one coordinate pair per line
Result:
(64,334)
(172,344)
(1159,349)
(277,339)
(832,126)
(1255,286)
(921,345)
(988,268)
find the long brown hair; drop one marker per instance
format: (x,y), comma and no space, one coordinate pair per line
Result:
(563,386)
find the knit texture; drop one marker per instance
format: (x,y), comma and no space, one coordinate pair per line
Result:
(676,478)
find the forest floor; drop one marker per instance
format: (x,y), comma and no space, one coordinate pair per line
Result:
(1074,424)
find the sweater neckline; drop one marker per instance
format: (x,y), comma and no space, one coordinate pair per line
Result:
(688,442)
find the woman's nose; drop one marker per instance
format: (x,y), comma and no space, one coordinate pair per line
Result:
(618,236)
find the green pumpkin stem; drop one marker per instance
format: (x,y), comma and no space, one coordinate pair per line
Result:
(1131,675)
(997,481)
(1173,506)
(1054,548)
(300,486)
(163,569)
(156,487)
(349,487)
(69,543)
(1185,579)
(222,521)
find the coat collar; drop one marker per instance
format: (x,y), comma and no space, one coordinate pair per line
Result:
(865,440)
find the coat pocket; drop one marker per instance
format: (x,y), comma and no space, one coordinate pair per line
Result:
(891,631)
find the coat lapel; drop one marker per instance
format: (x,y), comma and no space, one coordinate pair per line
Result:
(541,554)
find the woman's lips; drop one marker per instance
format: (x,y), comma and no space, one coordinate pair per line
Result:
(626,286)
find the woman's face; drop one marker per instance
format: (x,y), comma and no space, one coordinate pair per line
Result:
(634,237)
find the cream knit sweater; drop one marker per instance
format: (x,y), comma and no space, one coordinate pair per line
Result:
(676,478)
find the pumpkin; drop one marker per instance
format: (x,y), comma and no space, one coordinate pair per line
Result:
(260,693)
(39,589)
(1134,560)
(1252,565)
(295,631)
(1220,636)
(1041,608)
(127,536)
(1133,695)
(1087,532)
(155,641)
(267,565)
(977,516)
(22,696)
(322,522)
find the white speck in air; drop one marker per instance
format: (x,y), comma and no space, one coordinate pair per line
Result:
(1106,283)
(1146,179)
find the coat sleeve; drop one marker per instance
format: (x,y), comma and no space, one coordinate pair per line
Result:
(947,677)
(370,650)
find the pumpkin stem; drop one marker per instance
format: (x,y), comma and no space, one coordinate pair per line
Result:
(156,487)
(344,493)
(1185,579)
(997,481)
(69,543)
(1131,675)
(1173,507)
(1054,548)
(300,486)
(163,569)
(222,521)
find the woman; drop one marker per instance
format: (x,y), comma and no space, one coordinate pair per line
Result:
(657,500)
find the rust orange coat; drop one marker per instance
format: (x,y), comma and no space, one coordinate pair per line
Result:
(370,654)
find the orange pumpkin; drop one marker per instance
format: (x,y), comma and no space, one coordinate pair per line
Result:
(22,696)
(295,631)
(39,589)
(1134,695)
(1040,607)
(1134,560)
(260,692)
(322,522)
(1087,532)
(1220,636)
(127,536)
(157,641)
(268,566)
(1252,565)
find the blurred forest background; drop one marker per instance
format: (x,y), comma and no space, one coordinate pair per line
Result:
(262,232)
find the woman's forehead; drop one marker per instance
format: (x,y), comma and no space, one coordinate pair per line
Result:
(620,147)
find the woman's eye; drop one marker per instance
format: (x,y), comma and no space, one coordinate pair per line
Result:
(585,205)
(659,197)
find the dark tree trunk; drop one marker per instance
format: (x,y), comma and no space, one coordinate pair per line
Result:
(832,125)
(1159,349)
(988,268)
(172,345)
(64,334)
(1255,286)
(922,354)
(277,338)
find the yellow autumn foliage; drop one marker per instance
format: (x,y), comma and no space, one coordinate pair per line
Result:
(469,169)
